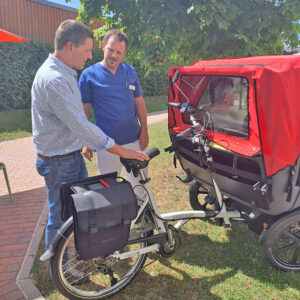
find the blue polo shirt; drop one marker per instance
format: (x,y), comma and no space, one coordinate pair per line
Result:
(112,98)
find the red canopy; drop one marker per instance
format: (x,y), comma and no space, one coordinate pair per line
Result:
(6,36)
(274,99)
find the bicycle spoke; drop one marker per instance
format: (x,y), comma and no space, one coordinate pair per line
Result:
(289,235)
(284,248)
(295,256)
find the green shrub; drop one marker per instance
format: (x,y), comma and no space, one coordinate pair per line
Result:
(154,83)
(20,61)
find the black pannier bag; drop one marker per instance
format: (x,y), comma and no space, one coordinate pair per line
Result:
(66,190)
(69,188)
(103,207)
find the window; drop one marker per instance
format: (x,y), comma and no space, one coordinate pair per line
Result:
(223,98)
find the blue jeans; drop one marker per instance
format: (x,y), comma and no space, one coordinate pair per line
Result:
(55,171)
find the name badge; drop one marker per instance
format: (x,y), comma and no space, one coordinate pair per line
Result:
(131,87)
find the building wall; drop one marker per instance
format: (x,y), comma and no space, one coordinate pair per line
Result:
(34,20)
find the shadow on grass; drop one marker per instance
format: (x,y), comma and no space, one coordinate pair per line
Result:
(219,261)
(241,253)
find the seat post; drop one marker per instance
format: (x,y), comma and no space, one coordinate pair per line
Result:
(2,167)
(144,179)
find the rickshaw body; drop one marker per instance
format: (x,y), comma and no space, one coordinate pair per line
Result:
(253,158)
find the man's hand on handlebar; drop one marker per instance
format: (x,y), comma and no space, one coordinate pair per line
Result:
(128,153)
(132,154)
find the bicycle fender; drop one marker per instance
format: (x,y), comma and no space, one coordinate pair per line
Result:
(61,231)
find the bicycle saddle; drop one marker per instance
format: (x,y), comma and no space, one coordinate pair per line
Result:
(135,165)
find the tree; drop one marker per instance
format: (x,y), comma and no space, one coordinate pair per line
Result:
(164,32)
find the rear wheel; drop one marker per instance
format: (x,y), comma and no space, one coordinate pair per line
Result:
(281,243)
(95,278)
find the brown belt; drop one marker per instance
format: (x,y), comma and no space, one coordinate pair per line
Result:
(59,156)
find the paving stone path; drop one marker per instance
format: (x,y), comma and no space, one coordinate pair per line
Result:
(22,222)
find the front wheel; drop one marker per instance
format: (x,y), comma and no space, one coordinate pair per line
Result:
(281,243)
(95,278)
(197,199)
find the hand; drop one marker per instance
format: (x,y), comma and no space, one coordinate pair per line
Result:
(87,152)
(133,154)
(128,153)
(143,139)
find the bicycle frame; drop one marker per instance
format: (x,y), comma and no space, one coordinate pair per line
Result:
(161,221)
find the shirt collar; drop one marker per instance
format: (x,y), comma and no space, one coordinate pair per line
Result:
(62,65)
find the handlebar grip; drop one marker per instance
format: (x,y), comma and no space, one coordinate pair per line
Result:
(152,152)
(184,133)
(172,104)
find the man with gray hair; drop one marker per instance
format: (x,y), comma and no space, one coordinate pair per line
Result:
(59,125)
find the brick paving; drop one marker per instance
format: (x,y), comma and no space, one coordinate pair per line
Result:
(18,220)
(22,221)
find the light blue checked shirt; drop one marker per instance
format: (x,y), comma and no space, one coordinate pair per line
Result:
(59,125)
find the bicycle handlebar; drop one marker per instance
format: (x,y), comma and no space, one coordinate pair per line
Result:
(184,107)
(172,104)
(152,152)
(184,133)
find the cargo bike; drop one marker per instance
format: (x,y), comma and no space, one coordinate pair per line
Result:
(234,128)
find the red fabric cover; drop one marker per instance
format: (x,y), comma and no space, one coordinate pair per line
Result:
(278,106)
(6,36)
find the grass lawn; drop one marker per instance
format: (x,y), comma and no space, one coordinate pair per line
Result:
(212,262)
(16,124)
(156,103)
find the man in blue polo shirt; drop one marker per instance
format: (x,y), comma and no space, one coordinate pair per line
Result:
(114,91)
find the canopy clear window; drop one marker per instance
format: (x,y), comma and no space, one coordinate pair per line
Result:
(224,98)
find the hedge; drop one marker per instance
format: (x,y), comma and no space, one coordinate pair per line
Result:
(20,61)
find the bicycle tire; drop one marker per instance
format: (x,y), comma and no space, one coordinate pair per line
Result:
(280,243)
(97,283)
(197,199)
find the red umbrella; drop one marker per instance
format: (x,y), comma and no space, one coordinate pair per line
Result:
(6,36)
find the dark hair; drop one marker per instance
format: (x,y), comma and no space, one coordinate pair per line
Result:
(117,35)
(71,31)
(217,86)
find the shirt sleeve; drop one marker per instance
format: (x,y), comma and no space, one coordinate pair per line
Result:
(70,112)
(85,88)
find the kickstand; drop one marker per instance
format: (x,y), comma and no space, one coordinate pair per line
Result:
(113,280)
